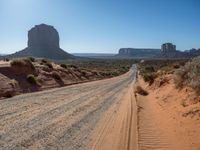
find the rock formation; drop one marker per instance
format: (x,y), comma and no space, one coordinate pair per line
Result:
(138,52)
(43,42)
(43,36)
(157,53)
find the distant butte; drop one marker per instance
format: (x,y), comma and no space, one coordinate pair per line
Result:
(43,42)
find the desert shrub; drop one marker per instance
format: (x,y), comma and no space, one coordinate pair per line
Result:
(84,72)
(63,66)
(6,59)
(22,63)
(176,66)
(114,74)
(149,77)
(32,79)
(18,62)
(141,91)
(180,77)
(189,75)
(48,64)
(148,73)
(56,76)
(195,85)
(13,83)
(44,61)
(149,69)
(32,59)
(72,66)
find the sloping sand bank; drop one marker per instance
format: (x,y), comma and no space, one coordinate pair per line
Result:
(162,123)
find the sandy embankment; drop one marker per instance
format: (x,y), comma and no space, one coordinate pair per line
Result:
(163,123)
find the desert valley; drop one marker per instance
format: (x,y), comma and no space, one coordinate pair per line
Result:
(99,75)
(53,100)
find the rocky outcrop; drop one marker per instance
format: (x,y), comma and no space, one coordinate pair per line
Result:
(156,53)
(138,52)
(43,42)
(179,54)
(8,87)
(43,36)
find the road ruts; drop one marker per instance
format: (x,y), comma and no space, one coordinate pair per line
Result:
(61,118)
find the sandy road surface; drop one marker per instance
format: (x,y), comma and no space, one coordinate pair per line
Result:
(68,118)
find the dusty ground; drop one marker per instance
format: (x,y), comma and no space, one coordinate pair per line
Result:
(72,118)
(4,63)
(163,123)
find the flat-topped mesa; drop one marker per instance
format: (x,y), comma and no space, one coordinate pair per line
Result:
(43,36)
(138,52)
(43,42)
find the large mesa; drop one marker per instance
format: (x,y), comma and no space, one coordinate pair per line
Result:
(43,36)
(43,42)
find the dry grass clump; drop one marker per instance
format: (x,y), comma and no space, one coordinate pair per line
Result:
(149,74)
(189,75)
(141,91)
(32,79)
(63,66)
(22,63)
(47,63)
(72,66)
(151,69)
(32,59)
(14,83)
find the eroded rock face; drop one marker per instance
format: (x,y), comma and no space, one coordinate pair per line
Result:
(43,36)
(43,42)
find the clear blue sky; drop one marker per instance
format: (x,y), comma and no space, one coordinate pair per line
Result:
(102,25)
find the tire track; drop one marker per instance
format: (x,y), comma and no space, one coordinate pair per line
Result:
(46,120)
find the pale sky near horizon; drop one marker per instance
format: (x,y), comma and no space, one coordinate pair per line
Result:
(95,26)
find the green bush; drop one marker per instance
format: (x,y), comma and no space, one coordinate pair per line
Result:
(32,79)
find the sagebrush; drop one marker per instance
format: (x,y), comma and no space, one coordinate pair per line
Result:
(189,75)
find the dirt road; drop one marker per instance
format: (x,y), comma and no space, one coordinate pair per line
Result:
(95,115)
